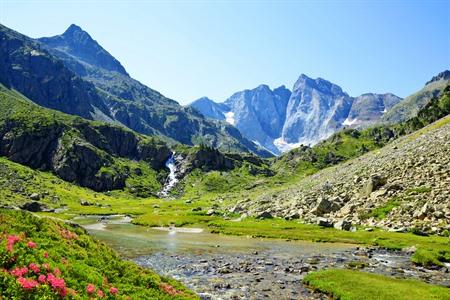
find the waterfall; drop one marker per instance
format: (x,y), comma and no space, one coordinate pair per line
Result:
(171,180)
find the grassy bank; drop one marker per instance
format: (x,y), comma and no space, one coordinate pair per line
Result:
(431,250)
(356,285)
(42,258)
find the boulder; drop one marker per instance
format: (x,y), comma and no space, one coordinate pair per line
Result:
(374,183)
(35,196)
(264,215)
(343,225)
(35,206)
(324,206)
(324,222)
(85,203)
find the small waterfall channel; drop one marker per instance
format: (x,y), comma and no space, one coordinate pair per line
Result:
(172,179)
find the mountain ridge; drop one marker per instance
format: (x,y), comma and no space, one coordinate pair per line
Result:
(312,112)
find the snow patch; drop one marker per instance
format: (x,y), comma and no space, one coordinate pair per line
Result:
(349,122)
(36,53)
(284,146)
(229,117)
(384,111)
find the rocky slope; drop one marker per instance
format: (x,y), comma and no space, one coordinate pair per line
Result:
(280,120)
(412,104)
(72,73)
(403,185)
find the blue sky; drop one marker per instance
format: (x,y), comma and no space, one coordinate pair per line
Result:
(190,49)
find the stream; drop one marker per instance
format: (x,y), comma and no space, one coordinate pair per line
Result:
(172,179)
(229,267)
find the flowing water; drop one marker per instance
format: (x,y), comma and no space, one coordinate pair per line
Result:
(172,179)
(229,267)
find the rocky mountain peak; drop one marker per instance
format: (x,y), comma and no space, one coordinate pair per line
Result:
(74,29)
(319,84)
(79,45)
(445,75)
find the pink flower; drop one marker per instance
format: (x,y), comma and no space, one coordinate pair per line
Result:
(42,278)
(100,294)
(113,290)
(35,268)
(31,244)
(27,284)
(46,254)
(11,240)
(19,272)
(63,292)
(90,288)
(46,266)
(57,271)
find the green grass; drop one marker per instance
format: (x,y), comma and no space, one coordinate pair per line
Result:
(436,249)
(357,285)
(382,211)
(80,260)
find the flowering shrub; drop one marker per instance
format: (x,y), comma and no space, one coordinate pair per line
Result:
(45,259)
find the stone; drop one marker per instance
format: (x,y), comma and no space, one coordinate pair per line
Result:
(35,206)
(85,203)
(210,212)
(378,193)
(264,215)
(324,206)
(343,225)
(324,222)
(373,183)
(35,196)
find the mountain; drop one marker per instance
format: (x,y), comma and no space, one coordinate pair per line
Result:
(210,109)
(72,73)
(316,109)
(412,104)
(258,113)
(368,109)
(79,44)
(280,120)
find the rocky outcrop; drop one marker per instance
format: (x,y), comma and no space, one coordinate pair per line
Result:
(210,159)
(75,150)
(403,185)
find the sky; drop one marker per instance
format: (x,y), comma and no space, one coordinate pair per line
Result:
(190,49)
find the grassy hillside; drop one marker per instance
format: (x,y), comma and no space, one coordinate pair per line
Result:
(411,105)
(355,285)
(47,259)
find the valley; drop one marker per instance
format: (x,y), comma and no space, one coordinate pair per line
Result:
(107,186)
